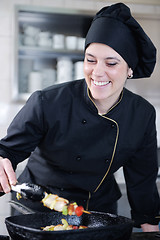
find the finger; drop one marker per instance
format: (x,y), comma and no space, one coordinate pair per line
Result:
(5,186)
(10,172)
(1,189)
(7,175)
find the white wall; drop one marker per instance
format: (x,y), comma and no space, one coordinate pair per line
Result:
(149,88)
(7,37)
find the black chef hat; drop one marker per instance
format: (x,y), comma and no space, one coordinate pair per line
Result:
(115,27)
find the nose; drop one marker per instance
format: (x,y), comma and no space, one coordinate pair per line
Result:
(99,69)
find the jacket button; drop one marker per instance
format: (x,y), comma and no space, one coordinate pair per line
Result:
(78,158)
(113,125)
(71,172)
(107,160)
(62,189)
(84,121)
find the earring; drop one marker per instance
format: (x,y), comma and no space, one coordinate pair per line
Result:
(130,76)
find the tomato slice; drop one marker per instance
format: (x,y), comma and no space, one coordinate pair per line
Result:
(79,211)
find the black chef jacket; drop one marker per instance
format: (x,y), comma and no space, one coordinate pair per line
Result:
(74,151)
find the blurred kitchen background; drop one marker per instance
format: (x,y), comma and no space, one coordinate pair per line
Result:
(41,43)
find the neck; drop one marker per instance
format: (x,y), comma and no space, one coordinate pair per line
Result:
(104,106)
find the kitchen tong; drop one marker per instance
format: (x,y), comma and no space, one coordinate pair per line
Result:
(29,191)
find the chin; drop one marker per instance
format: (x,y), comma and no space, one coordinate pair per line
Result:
(98,95)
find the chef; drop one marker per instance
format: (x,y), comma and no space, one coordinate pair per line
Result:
(78,134)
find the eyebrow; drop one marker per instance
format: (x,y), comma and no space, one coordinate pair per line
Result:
(107,58)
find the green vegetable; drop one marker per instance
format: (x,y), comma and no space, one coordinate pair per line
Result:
(65,210)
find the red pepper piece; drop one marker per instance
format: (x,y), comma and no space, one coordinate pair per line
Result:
(79,211)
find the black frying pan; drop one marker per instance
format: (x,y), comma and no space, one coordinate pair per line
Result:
(101,226)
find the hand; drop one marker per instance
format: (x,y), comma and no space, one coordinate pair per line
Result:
(149,228)
(7,175)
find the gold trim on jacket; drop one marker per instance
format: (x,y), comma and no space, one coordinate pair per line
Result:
(115,145)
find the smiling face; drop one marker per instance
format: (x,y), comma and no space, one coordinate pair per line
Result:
(105,73)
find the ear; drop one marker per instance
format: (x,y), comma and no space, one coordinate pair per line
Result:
(130,73)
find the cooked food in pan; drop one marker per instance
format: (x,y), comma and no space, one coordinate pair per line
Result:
(63,226)
(54,202)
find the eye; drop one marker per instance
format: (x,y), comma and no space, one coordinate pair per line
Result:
(111,64)
(90,60)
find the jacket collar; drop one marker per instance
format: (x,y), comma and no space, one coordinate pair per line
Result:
(90,102)
(88,99)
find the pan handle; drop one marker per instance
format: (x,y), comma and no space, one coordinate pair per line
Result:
(20,207)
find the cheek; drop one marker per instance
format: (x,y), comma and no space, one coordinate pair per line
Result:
(87,69)
(125,73)
(119,73)
(87,74)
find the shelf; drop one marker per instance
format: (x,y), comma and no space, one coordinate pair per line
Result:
(59,21)
(26,52)
(46,60)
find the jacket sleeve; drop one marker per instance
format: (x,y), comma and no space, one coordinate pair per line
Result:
(140,174)
(24,132)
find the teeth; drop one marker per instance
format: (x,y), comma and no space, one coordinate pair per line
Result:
(101,83)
